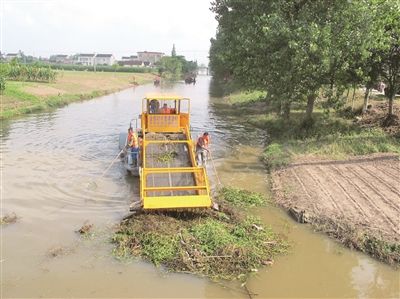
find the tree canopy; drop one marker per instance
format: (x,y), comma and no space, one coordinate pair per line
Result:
(296,49)
(175,67)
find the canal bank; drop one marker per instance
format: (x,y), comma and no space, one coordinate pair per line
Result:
(338,174)
(20,97)
(49,159)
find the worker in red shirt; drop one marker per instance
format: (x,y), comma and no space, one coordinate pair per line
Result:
(165,109)
(202,148)
(133,148)
(130,133)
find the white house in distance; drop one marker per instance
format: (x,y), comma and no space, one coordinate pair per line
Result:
(151,57)
(104,59)
(60,58)
(10,56)
(131,63)
(129,58)
(84,59)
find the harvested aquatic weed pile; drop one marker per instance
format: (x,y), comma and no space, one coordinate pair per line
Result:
(241,198)
(225,244)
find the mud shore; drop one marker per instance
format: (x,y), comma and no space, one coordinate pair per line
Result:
(356,201)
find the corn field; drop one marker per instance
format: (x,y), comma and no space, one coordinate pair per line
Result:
(27,72)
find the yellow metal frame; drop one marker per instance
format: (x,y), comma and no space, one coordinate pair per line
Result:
(159,122)
(169,123)
(199,200)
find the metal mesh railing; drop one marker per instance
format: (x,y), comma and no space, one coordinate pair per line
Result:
(163,122)
(174,182)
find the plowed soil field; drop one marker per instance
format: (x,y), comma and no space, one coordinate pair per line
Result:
(363,192)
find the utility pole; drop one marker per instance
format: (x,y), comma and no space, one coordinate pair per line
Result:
(94,62)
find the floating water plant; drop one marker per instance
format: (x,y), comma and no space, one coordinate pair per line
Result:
(225,244)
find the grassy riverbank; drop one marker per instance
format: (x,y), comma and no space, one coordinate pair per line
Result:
(342,160)
(228,244)
(333,136)
(70,86)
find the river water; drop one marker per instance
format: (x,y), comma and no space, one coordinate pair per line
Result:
(51,168)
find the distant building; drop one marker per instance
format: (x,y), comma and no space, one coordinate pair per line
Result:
(129,63)
(104,59)
(11,56)
(202,70)
(60,58)
(129,58)
(84,59)
(151,57)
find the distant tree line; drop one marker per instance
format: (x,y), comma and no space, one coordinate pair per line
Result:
(299,50)
(102,68)
(176,67)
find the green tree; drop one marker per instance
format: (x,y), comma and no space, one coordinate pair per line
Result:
(291,48)
(170,68)
(389,48)
(173,52)
(176,67)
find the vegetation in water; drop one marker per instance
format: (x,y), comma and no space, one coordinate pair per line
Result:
(351,237)
(8,219)
(221,245)
(241,197)
(86,230)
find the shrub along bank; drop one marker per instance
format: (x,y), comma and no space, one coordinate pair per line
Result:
(102,68)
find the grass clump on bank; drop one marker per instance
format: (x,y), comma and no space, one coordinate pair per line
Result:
(328,138)
(221,245)
(276,156)
(241,198)
(246,97)
(351,237)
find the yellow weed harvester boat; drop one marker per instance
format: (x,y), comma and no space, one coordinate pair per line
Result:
(169,175)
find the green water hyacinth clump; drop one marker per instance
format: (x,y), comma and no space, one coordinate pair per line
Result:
(225,244)
(242,198)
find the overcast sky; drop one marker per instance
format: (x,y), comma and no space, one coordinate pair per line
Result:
(119,27)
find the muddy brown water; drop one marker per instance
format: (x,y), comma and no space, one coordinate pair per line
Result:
(49,162)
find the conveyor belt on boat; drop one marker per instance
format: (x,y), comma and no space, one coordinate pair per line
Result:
(177,156)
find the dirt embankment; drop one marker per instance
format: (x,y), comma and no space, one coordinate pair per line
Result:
(356,201)
(376,116)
